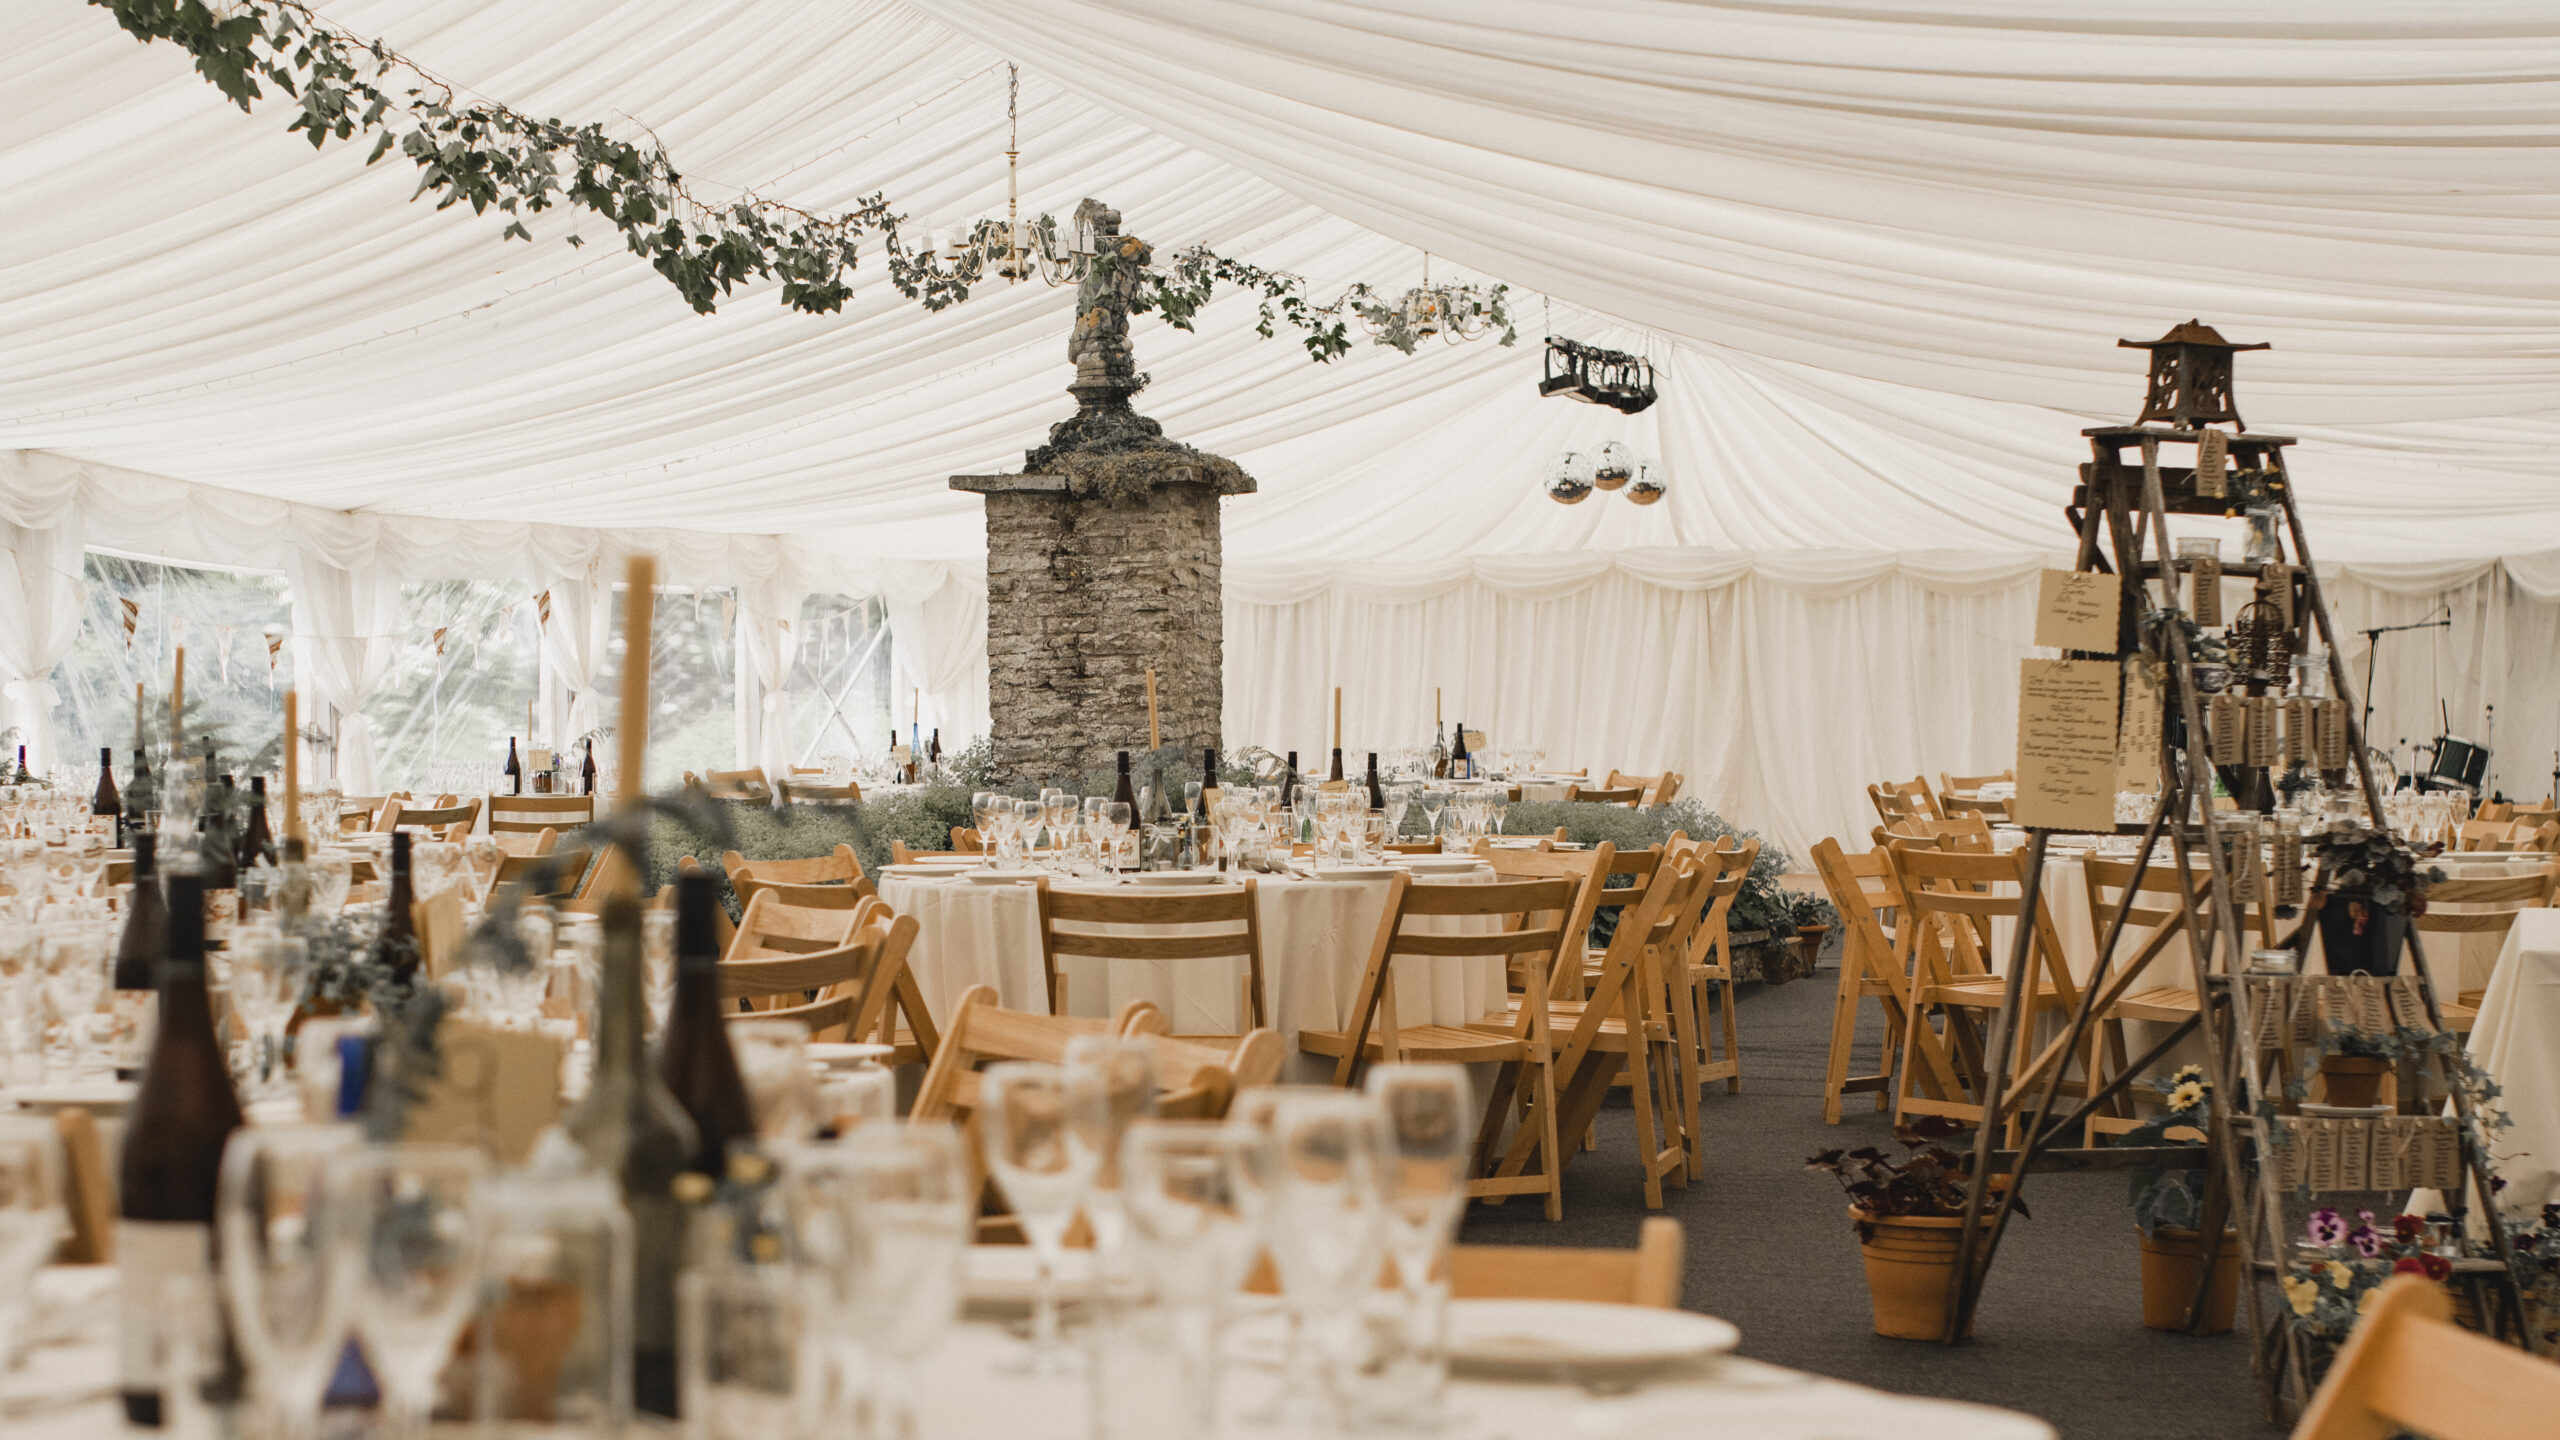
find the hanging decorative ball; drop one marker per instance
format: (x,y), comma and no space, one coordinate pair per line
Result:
(1615,467)
(1569,480)
(1648,485)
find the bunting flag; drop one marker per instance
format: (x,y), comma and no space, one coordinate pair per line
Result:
(542,609)
(132,618)
(275,648)
(440,640)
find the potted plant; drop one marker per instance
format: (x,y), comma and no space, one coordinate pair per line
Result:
(2365,891)
(2352,1071)
(2167,1211)
(1907,1213)
(1810,917)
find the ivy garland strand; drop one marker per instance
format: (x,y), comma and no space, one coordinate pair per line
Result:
(489,156)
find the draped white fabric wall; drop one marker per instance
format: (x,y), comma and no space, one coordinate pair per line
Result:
(1780,700)
(938,649)
(40,611)
(346,632)
(768,621)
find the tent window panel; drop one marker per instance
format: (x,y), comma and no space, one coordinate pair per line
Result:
(222,617)
(693,685)
(838,689)
(456,691)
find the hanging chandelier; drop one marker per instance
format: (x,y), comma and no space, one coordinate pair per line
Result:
(1574,475)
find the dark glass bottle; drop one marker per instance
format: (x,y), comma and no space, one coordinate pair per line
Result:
(182,1115)
(1125,793)
(587,770)
(1289,782)
(142,802)
(1461,764)
(395,948)
(1208,780)
(146,920)
(1336,772)
(634,1131)
(1440,754)
(24,776)
(1377,792)
(107,801)
(214,845)
(257,845)
(514,770)
(694,1058)
(933,747)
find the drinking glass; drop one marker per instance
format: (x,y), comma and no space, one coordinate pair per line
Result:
(658,964)
(1044,1175)
(980,803)
(21,1002)
(1433,802)
(332,874)
(412,1221)
(267,974)
(896,1201)
(1430,1132)
(287,1281)
(31,1218)
(773,1061)
(1327,1224)
(72,959)
(742,1353)
(1111,1083)
(1187,1186)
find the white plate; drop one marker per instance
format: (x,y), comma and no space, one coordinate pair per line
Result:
(1004,877)
(1440,864)
(106,1095)
(845,1055)
(913,871)
(1009,1275)
(1175,877)
(1548,1337)
(1354,872)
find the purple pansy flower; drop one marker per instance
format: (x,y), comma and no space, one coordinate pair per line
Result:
(2327,1227)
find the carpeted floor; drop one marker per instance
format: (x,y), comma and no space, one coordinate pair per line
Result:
(2059,1333)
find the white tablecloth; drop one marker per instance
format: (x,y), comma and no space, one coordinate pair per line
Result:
(1316,937)
(2517,1040)
(963,1395)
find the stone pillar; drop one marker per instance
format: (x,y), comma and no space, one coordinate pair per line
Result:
(1103,559)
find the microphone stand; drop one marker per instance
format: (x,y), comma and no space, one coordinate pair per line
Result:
(2373,652)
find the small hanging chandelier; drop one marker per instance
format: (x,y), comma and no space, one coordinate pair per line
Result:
(1614,466)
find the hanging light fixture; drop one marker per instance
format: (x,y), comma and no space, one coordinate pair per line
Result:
(1615,467)
(1569,479)
(1647,487)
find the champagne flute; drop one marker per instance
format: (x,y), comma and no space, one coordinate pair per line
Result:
(413,1225)
(287,1281)
(1111,1083)
(1043,1175)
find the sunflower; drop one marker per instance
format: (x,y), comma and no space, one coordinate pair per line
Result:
(2189,1095)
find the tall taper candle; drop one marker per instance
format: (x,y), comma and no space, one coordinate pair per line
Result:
(140,718)
(1155,736)
(292,765)
(177,699)
(1337,717)
(639,604)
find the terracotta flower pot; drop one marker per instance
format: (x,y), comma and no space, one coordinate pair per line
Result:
(1909,1259)
(2353,1079)
(2169,1261)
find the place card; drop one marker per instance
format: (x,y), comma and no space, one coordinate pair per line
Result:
(2206,573)
(2078,609)
(2138,735)
(2287,865)
(2261,741)
(2301,737)
(2224,727)
(2355,1152)
(2333,734)
(498,1089)
(2213,449)
(2320,1154)
(2067,744)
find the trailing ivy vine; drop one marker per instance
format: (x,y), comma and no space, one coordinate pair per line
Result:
(489,156)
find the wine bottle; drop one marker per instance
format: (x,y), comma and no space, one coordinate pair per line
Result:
(1440,753)
(142,804)
(1462,766)
(1208,781)
(221,868)
(694,1058)
(146,920)
(587,770)
(1335,775)
(395,947)
(1122,793)
(257,844)
(182,1114)
(1289,782)
(634,1131)
(933,748)
(514,770)
(106,801)
(24,776)
(1377,793)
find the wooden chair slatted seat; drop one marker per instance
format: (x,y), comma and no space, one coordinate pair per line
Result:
(749,784)
(2408,1369)
(1904,800)
(1125,925)
(839,866)
(1950,899)
(1631,796)
(1628,1026)
(847,992)
(1585,869)
(529,814)
(1648,1275)
(2510,896)
(1863,889)
(1520,1046)
(442,822)
(748,885)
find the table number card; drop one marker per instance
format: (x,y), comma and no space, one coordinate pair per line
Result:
(2067,744)
(2206,600)
(2355,1153)
(2078,610)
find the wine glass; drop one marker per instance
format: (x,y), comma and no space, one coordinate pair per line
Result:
(773,1062)
(288,1284)
(31,1218)
(1044,1176)
(1429,1151)
(1187,1188)
(1327,1223)
(657,965)
(267,974)
(907,1198)
(72,960)
(413,1224)
(1111,1083)
(1119,817)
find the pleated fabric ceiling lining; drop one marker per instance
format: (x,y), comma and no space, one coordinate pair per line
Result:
(1881,255)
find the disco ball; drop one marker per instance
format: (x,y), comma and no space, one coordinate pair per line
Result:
(1615,467)
(1569,480)
(1648,485)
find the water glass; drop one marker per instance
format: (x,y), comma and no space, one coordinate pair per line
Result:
(1043,1174)
(1327,1228)
(413,1220)
(1186,1187)
(287,1282)
(881,1220)
(31,1218)
(773,1061)
(555,1307)
(72,959)
(1430,1134)
(1111,1084)
(742,1354)
(268,971)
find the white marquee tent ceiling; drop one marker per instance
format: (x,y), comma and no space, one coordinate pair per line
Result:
(1881,253)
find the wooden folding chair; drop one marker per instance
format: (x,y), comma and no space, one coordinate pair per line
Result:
(1585,869)
(441,822)
(1488,921)
(749,883)
(1863,889)
(967,841)
(899,854)
(1954,832)
(2489,906)
(532,814)
(1950,784)
(817,792)
(1904,800)
(568,867)
(1950,900)
(2408,1369)
(1649,1275)
(770,927)
(748,785)
(837,867)
(2482,834)
(2153,924)
(1208,924)
(611,872)
(1709,962)
(1631,796)
(723,929)
(1652,789)
(846,992)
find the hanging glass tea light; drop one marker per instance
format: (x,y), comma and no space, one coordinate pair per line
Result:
(1615,467)
(1647,487)
(1569,480)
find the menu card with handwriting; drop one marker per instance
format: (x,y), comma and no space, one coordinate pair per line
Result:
(2077,609)
(2067,744)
